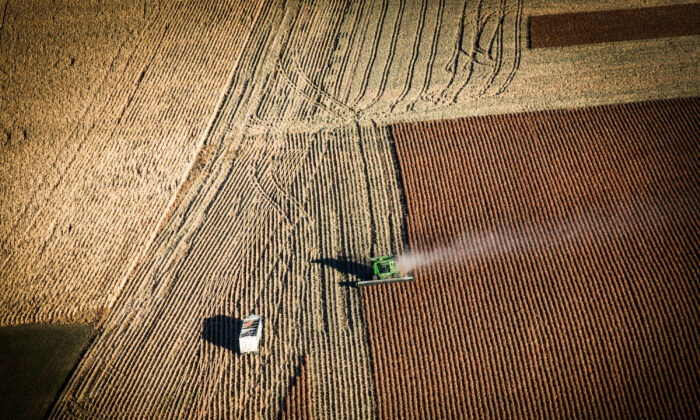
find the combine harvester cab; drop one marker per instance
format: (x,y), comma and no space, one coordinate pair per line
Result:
(251,331)
(384,272)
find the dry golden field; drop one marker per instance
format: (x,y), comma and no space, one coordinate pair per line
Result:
(170,167)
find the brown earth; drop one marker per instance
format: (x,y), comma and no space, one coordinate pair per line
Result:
(560,30)
(570,289)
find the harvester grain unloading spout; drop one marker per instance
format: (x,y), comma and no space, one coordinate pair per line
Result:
(384,272)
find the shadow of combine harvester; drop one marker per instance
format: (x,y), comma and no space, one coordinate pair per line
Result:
(381,271)
(355,270)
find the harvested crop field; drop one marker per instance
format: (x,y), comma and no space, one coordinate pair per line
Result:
(171,168)
(83,197)
(565,267)
(271,214)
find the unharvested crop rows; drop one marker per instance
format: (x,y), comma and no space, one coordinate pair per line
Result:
(277,206)
(573,286)
(557,30)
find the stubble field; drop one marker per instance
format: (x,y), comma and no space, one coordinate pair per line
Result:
(216,160)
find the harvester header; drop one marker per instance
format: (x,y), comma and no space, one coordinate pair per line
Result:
(385,271)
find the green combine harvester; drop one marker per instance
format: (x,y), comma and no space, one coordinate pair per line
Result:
(384,272)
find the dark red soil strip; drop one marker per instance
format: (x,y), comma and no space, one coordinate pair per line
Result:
(585,305)
(566,29)
(298,402)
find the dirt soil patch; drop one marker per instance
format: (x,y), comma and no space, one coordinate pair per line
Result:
(560,30)
(298,402)
(568,282)
(35,361)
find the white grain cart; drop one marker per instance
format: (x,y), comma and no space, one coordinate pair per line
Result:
(251,331)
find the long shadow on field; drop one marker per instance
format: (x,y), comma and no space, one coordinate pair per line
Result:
(222,331)
(347,266)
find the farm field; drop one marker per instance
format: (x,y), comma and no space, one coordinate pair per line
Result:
(566,29)
(83,195)
(35,361)
(100,141)
(186,164)
(298,402)
(253,250)
(565,281)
